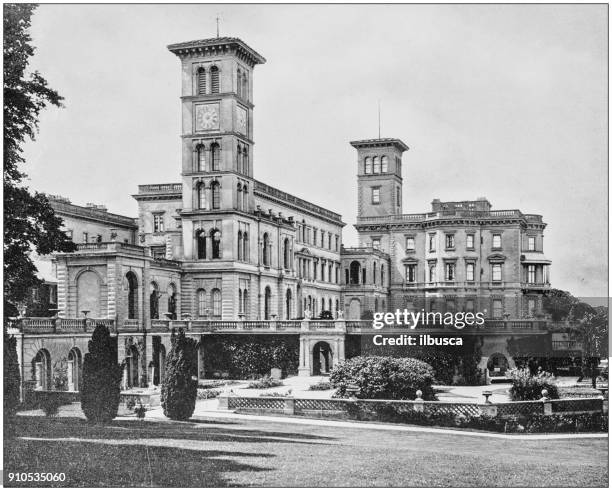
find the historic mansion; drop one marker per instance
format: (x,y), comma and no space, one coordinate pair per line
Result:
(220,250)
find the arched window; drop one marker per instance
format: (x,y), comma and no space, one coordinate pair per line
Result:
(363,276)
(382,275)
(385,163)
(245,247)
(245,87)
(240,246)
(215,237)
(266,249)
(172,301)
(201,195)
(201,244)
(239,166)
(376,165)
(374,272)
(245,161)
(216,302)
(201,81)
(368,165)
(216,195)
(239,83)
(214,80)
(376,305)
(245,301)
(286,254)
(154,301)
(201,299)
(132,295)
(240,300)
(267,303)
(74,371)
(245,198)
(215,155)
(337,308)
(239,196)
(288,304)
(201,154)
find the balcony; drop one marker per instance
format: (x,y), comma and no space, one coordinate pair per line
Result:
(437,215)
(535,286)
(167,188)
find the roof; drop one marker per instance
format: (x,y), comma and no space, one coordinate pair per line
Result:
(380,142)
(217,44)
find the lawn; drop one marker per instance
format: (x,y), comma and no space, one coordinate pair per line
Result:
(223,453)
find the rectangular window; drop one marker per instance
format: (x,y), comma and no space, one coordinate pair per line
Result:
(376,243)
(53,294)
(498,309)
(322,240)
(531,273)
(531,244)
(410,243)
(375,196)
(469,241)
(337,243)
(158,222)
(449,272)
(399,197)
(85,237)
(450,241)
(531,307)
(158,252)
(314,236)
(496,272)
(469,272)
(497,241)
(432,243)
(469,305)
(432,273)
(411,273)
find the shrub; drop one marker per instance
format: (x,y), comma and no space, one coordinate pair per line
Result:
(264,383)
(50,404)
(179,389)
(140,412)
(320,386)
(100,390)
(527,387)
(275,394)
(383,377)
(12,378)
(204,394)
(326,315)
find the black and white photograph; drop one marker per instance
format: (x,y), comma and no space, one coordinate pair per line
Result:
(282,245)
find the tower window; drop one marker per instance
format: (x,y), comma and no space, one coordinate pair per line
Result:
(201,81)
(214,80)
(201,151)
(531,246)
(245,87)
(375,196)
(385,164)
(239,83)
(376,165)
(245,198)
(201,194)
(368,165)
(411,273)
(469,241)
(398,197)
(215,237)
(450,272)
(201,298)
(158,222)
(239,196)
(216,195)
(239,159)
(201,244)
(215,152)
(469,272)
(497,241)
(450,241)
(245,160)
(496,272)
(266,250)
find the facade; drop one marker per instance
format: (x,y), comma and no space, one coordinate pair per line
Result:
(218,251)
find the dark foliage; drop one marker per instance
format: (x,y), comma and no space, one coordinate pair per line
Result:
(383,377)
(29,221)
(12,377)
(100,390)
(180,387)
(326,315)
(248,356)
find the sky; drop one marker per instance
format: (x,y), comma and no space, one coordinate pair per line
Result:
(503,101)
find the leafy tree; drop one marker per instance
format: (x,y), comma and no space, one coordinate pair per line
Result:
(11,376)
(29,221)
(180,388)
(100,390)
(558,304)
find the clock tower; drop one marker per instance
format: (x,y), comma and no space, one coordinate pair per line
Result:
(217,138)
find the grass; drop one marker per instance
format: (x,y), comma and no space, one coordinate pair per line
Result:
(224,453)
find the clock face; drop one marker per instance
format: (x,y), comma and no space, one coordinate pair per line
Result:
(207,117)
(241,120)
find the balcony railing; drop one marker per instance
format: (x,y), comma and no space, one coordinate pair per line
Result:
(105,247)
(173,187)
(420,217)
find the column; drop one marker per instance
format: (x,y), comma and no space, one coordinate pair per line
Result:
(304,366)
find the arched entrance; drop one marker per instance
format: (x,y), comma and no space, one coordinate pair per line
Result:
(355,309)
(321,358)
(74,371)
(42,370)
(132,284)
(132,366)
(355,272)
(498,365)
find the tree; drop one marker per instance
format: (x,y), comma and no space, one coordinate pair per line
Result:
(558,304)
(100,390)
(29,221)
(11,376)
(180,388)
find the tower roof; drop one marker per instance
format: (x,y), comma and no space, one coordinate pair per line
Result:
(380,142)
(217,46)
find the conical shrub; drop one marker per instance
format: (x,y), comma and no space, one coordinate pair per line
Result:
(180,387)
